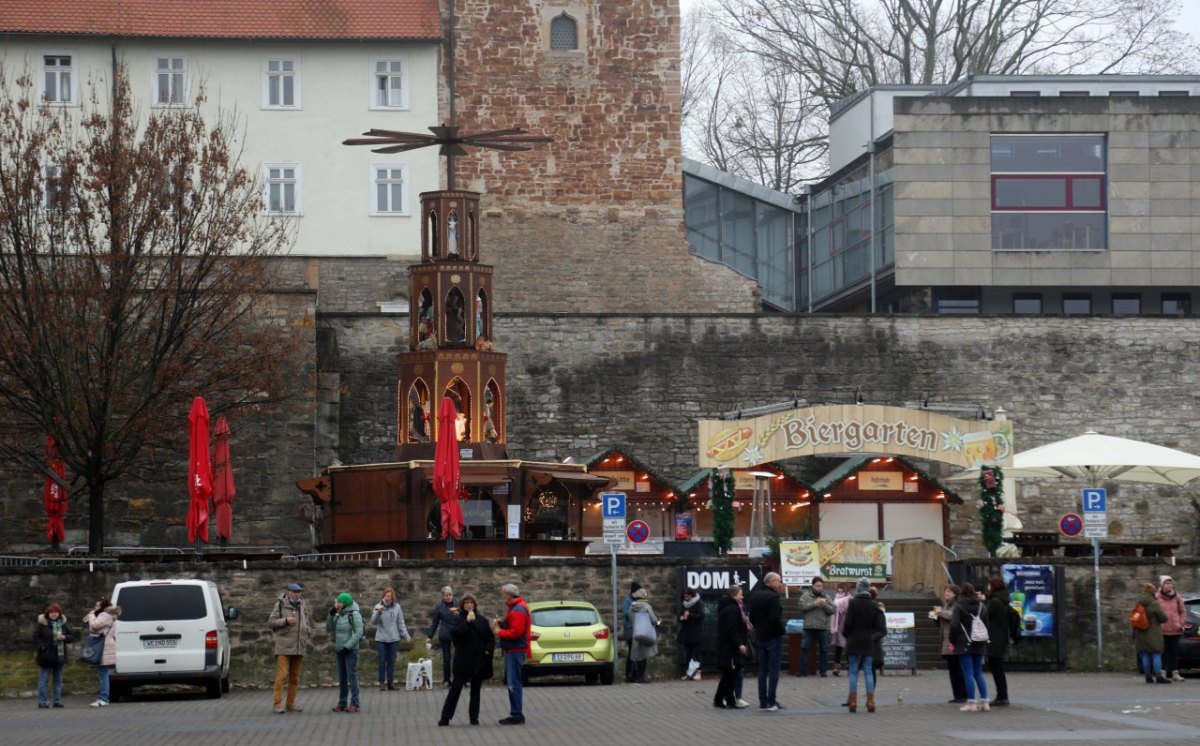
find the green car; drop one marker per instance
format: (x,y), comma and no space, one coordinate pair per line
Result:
(568,638)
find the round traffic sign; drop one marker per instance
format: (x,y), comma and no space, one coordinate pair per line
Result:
(637,531)
(1071,525)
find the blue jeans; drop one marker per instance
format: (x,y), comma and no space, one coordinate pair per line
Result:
(1151,663)
(768,670)
(972,666)
(45,674)
(387,660)
(513,662)
(347,668)
(102,673)
(738,680)
(867,663)
(821,637)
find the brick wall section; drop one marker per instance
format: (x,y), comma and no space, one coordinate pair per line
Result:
(943,191)
(592,221)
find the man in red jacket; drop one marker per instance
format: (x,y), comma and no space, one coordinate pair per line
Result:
(513,634)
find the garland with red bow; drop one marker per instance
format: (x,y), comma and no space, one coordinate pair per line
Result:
(991,507)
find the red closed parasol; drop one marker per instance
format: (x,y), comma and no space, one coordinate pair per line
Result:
(446,474)
(54,495)
(223,490)
(200,481)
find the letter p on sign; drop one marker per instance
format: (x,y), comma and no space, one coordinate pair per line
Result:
(1095,500)
(612,504)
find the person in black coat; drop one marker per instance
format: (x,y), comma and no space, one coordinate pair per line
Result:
(50,636)
(997,606)
(766,615)
(731,647)
(863,625)
(474,643)
(691,627)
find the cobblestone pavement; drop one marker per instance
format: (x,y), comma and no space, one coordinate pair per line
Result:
(1046,708)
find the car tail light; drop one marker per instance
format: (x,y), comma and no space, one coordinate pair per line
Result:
(210,639)
(601,634)
(535,636)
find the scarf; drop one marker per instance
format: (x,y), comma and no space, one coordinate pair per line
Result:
(56,630)
(689,603)
(745,616)
(1168,595)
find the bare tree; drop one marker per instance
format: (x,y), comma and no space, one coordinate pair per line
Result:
(828,49)
(133,276)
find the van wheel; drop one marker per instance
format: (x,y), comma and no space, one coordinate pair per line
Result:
(213,689)
(225,685)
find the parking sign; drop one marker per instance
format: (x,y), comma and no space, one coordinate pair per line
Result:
(612,504)
(1095,500)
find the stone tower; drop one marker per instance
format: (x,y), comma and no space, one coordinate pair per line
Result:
(451,352)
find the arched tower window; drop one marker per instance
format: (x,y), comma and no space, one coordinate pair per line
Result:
(493,413)
(564,33)
(435,248)
(460,394)
(456,317)
(426,323)
(417,412)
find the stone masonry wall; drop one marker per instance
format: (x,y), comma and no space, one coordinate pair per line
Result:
(943,191)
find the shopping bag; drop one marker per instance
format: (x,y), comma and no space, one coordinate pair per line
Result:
(693,669)
(92,649)
(420,675)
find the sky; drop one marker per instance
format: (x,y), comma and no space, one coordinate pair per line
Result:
(1189,14)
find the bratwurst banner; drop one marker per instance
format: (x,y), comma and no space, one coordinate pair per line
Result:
(855,429)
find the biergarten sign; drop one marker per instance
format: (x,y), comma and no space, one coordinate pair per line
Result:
(855,429)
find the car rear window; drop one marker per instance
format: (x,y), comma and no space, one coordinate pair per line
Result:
(150,603)
(565,617)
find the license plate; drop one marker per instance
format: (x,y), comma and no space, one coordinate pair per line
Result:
(149,644)
(566,658)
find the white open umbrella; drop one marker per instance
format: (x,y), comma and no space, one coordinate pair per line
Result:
(1093,458)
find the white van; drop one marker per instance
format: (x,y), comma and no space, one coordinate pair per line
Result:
(171,632)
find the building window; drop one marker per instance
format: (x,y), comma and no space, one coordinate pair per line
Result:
(1049,192)
(956,300)
(57,80)
(281,84)
(1076,304)
(1025,94)
(170,81)
(389,184)
(1173,94)
(54,195)
(389,83)
(1176,304)
(282,188)
(1075,94)
(1126,304)
(564,33)
(1127,94)
(1027,303)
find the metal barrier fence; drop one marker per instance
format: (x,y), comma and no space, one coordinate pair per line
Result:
(140,550)
(364,556)
(12,560)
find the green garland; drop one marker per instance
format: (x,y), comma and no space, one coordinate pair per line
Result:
(722,510)
(991,507)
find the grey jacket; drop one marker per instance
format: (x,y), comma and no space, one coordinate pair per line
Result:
(816,616)
(639,651)
(389,624)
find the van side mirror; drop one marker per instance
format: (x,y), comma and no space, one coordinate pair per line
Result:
(231,613)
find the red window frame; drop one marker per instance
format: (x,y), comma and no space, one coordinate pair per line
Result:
(1068,206)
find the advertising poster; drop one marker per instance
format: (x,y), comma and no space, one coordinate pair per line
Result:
(799,562)
(1031,593)
(834,561)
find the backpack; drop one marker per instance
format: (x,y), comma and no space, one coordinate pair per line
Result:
(1138,618)
(978,632)
(1016,626)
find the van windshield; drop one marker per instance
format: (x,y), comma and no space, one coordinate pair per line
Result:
(152,603)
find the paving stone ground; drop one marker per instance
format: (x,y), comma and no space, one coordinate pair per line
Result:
(1094,708)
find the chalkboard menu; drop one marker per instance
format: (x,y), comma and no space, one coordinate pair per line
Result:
(900,644)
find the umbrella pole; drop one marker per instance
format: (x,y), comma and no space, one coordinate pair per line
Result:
(450,546)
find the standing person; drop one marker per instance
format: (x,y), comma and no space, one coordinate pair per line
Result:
(1172,629)
(997,605)
(841,599)
(473,645)
(739,680)
(691,627)
(732,639)
(627,633)
(390,629)
(441,621)
(969,649)
(877,658)
(50,637)
(863,625)
(513,632)
(766,614)
(816,607)
(102,620)
(292,626)
(346,623)
(941,615)
(643,649)
(1149,641)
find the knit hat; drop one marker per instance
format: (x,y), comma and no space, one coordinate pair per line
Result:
(634,587)
(862,586)
(345,599)
(1164,578)
(1150,588)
